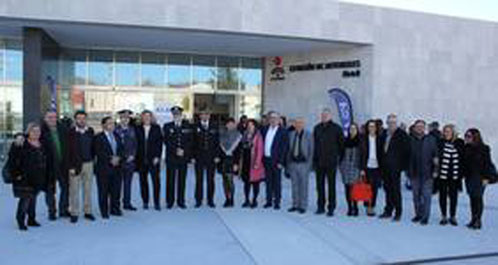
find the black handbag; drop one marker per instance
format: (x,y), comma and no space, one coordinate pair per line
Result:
(491,174)
(7,177)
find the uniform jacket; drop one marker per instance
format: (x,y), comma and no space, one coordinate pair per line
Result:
(178,137)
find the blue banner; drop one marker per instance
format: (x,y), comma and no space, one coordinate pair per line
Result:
(344,107)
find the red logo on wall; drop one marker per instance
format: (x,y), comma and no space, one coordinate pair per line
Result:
(277,72)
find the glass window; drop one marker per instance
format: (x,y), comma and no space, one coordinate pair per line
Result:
(127,69)
(100,68)
(250,106)
(204,72)
(228,73)
(178,71)
(153,70)
(251,74)
(74,69)
(13,61)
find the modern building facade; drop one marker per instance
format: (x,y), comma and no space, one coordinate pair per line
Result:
(245,57)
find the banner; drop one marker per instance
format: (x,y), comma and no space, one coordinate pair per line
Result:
(344,107)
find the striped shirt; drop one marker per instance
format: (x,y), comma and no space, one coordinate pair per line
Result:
(450,162)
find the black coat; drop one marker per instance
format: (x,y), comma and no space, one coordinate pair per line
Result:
(328,145)
(33,170)
(75,160)
(103,154)
(154,145)
(476,160)
(206,142)
(365,151)
(50,152)
(397,156)
(182,137)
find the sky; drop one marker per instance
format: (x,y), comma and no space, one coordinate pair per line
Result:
(474,9)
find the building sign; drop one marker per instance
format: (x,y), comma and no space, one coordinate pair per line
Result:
(350,68)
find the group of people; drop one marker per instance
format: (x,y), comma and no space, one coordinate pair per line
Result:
(69,154)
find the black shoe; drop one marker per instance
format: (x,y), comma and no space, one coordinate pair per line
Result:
(355,213)
(198,204)
(157,208)
(385,215)
(117,213)
(182,206)
(301,211)
(90,217)
(471,223)
(350,212)
(267,205)
(246,204)
(416,219)
(231,203)
(292,209)
(397,218)
(330,213)
(105,216)
(254,204)
(64,215)
(477,225)
(276,207)
(146,207)
(33,223)
(424,221)
(74,219)
(320,211)
(453,221)
(52,217)
(130,208)
(444,221)
(23,227)
(226,204)
(169,206)
(212,205)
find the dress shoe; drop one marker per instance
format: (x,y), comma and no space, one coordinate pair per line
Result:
(416,219)
(130,208)
(292,209)
(198,204)
(477,225)
(33,223)
(397,218)
(146,207)
(254,204)
(267,205)
(64,215)
(90,217)
(246,204)
(212,205)
(276,207)
(330,213)
(74,219)
(301,211)
(385,215)
(226,204)
(169,206)
(471,223)
(52,217)
(424,222)
(182,206)
(23,227)
(320,211)
(157,208)
(105,216)
(117,213)
(444,221)
(453,221)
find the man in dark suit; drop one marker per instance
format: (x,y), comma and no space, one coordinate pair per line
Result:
(54,140)
(206,149)
(126,131)
(329,146)
(109,154)
(150,148)
(178,137)
(275,152)
(396,149)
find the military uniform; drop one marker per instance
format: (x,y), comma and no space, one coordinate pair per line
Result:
(177,137)
(207,144)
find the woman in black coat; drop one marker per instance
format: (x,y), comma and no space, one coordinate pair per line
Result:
(449,178)
(476,161)
(29,175)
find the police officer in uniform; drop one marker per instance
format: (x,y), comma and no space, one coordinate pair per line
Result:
(206,153)
(178,137)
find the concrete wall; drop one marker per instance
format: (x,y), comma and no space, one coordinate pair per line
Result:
(307,19)
(422,66)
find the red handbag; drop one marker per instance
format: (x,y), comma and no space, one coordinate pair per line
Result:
(361,191)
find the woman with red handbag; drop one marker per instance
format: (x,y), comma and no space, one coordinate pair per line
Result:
(350,167)
(371,159)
